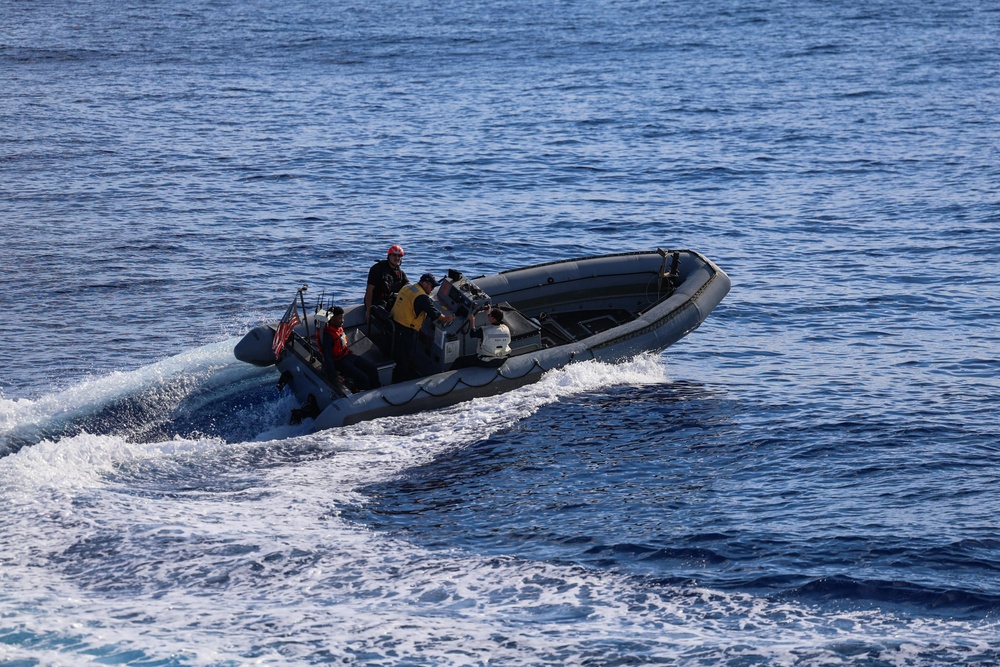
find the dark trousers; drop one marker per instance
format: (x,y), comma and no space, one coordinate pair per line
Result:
(363,373)
(403,344)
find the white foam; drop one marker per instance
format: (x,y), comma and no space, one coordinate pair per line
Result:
(380,449)
(256,564)
(78,462)
(357,592)
(366,453)
(26,416)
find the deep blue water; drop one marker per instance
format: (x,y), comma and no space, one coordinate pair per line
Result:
(810,478)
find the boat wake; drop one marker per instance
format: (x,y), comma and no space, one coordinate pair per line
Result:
(215,551)
(205,393)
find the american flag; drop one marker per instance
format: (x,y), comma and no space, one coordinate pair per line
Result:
(285,326)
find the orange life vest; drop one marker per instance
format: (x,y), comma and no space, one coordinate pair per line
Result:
(340,345)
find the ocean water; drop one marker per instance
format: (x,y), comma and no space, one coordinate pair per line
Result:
(810,478)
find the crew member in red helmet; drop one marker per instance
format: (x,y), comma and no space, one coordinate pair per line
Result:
(385,279)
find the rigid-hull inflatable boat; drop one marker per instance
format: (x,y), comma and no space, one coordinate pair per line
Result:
(607,308)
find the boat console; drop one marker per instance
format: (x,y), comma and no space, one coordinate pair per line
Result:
(438,345)
(442,345)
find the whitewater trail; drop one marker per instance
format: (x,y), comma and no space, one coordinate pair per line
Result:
(139,533)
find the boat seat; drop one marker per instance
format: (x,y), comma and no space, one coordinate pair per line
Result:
(363,346)
(525,334)
(555,333)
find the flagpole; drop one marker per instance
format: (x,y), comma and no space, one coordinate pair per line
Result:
(305,314)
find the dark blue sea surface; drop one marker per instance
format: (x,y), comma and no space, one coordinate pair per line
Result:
(810,478)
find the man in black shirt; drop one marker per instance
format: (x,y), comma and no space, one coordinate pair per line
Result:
(385,278)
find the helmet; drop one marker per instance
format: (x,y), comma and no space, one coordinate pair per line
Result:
(396,250)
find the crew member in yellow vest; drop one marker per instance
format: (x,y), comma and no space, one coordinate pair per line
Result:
(412,307)
(494,342)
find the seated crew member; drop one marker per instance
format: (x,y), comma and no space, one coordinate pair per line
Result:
(338,358)
(385,278)
(494,342)
(413,305)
